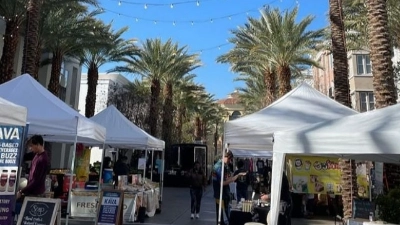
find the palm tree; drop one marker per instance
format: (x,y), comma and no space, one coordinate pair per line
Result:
(182,63)
(381,53)
(154,61)
(66,31)
(111,49)
(290,43)
(13,14)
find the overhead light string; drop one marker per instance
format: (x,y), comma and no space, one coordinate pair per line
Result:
(170,4)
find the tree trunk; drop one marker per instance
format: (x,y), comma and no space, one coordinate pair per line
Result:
(56,61)
(216,138)
(38,57)
(197,130)
(340,63)
(11,39)
(349,185)
(167,127)
(381,54)
(179,122)
(31,38)
(270,86)
(284,76)
(92,78)
(154,106)
(204,130)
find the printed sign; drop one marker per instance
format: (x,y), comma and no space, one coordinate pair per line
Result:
(110,208)
(40,211)
(316,175)
(362,209)
(10,152)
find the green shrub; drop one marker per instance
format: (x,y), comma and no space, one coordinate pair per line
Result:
(389,206)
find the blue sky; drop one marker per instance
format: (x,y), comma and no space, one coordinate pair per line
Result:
(204,26)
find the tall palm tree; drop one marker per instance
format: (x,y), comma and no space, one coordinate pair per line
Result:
(290,43)
(13,12)
(66,32)
(112,48)
(183,64)
(381,54)
(154,60)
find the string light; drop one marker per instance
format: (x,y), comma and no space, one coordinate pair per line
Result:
(119,3)
(211,48)
(145,6)
(163,4)
(172,6)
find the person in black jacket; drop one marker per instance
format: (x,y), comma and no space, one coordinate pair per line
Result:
(120,168)
(198,182)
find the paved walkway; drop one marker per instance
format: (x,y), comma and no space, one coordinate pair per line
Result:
(176,211)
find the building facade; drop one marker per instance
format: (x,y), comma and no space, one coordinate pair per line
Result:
(105,85)
(232,105)
(360,77)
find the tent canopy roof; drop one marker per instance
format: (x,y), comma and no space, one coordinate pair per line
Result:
(12,114)
(48,115)
(122,133)
(372,135)
(301,107)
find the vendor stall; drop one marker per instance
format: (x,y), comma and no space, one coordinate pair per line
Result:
(50,117)
(122,133)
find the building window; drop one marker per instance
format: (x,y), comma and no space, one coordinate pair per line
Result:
(363,64)
(367,101)
(235,115)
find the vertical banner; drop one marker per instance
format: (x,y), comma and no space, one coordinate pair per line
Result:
(378,181)
(10,153)
(82,163)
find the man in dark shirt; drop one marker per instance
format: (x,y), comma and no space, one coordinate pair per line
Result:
(39,169)
(242,183)
(120,168)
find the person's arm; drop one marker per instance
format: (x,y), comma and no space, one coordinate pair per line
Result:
(40,170)
(233,178)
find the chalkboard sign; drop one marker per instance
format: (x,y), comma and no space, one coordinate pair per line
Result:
(110,208)
(362,208)
(43,211)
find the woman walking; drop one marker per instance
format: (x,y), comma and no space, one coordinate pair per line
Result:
(197,185)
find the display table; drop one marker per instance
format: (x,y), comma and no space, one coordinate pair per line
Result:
(84,203)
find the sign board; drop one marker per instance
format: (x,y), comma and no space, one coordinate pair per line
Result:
(87,205)
(362,209)
(11,139)
(40,211)
(110,208)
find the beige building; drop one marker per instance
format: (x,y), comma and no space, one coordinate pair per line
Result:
(232,105)
(360,78)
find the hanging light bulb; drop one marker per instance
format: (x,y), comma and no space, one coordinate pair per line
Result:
(229,18)
(211,21)
(136,19)
(192,23)
(155,21)
(173,23)
(172,6)
(145,6)
(119,3)
(119,14)
(198,3)
(219,47)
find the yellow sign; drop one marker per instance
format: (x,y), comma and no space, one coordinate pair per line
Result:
(314,175)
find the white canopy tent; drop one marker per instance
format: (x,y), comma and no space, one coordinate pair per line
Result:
(122,133)
(302,106)
(369,136)
(12,114)
(48,115)
(51,117)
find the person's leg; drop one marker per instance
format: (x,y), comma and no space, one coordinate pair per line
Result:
(199,194)
(192,202)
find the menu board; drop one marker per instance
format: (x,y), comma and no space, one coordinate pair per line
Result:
(110,208)
(40,211)
(10,152)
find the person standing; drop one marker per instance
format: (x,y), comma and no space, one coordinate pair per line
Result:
(198,183)
(39,169)
(216,180)
(120,168)
(242,183)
